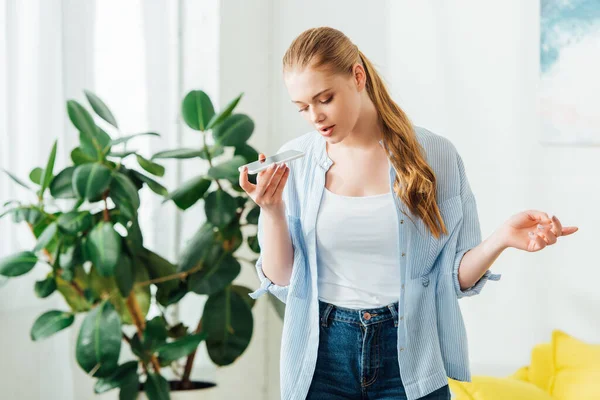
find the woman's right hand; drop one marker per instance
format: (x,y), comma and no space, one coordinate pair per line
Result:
(268,191)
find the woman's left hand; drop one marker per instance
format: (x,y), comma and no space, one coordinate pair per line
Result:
(532,230)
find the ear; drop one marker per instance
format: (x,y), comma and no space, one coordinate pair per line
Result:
(359,76)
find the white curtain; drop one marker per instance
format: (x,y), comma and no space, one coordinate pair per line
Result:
(50,51)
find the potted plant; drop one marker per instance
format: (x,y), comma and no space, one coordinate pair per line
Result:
(85,222)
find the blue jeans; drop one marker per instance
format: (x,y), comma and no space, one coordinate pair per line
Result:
(358,357)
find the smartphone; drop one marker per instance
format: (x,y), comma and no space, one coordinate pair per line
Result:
(256,166)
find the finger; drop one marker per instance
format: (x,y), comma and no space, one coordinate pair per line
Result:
(282,182)
(261,157)
(244,182)
(568,230)
(547,234)
(536,239)
(265,177)
(275,181)
(557,226)
(539,216)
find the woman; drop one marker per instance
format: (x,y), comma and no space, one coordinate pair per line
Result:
(372,237)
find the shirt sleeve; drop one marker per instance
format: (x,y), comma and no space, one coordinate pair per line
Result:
(469,236)
(290,199)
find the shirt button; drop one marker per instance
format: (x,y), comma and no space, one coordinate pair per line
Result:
(403,286)
(402,318)
(367,316)
(403,254)
(401,221)
(401,348)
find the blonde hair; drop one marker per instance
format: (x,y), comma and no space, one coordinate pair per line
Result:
(330,50)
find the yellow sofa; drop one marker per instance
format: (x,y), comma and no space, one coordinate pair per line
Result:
(564,369)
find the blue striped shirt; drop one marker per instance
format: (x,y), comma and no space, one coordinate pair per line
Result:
(432,341)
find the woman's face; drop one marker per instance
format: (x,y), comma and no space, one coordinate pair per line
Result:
(325,99)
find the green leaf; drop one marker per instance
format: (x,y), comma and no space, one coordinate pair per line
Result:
(152,184)
(212,279)
(124,275)
(79,156)
(129,387)
(84,122)
(178,153)
(243,292)
(17,180)
(190,192)
(196,248)
(61,186)
(104,248)
(151,167)
(253,243)
(234,131)
(35,175)
(100,108)
(49,323)
(75,222)
(227,170)
(156,387)
(121,375)
(125,195)
(173,351)
(46,237)
(18,264)
(99,341)
(46,287)
(49,171)
(246,151)
(253,214)
(121,154)
(217,119)
(220,208)
(104,140)
(157,267)
(91,180)
(125,139)
(213,151)
(228,323)
(197,110)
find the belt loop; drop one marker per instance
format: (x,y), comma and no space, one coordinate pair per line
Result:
(394,313)
(325,316)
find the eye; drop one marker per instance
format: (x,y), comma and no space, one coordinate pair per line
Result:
(322,102)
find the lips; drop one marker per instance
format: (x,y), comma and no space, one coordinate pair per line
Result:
(327,131)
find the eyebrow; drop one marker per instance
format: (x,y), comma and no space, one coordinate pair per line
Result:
(315,96)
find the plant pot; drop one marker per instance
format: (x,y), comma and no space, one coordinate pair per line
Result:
(196,393)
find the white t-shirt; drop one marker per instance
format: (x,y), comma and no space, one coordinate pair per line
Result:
(357,250)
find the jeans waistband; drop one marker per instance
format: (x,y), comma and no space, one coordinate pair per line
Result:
(365,316)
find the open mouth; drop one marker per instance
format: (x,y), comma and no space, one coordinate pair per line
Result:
(327,131)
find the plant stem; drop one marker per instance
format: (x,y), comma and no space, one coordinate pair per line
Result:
(140,324)
(209,158)
(59,270)
(105,211)
(126,338)
(179,275)
(185,380)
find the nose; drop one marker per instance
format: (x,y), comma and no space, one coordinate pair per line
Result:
(316,117)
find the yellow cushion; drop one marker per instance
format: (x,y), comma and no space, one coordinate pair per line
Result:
(521,374)
(541,368)
(492,388)
(576,368)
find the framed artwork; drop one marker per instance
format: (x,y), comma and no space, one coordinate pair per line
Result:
(569,87)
